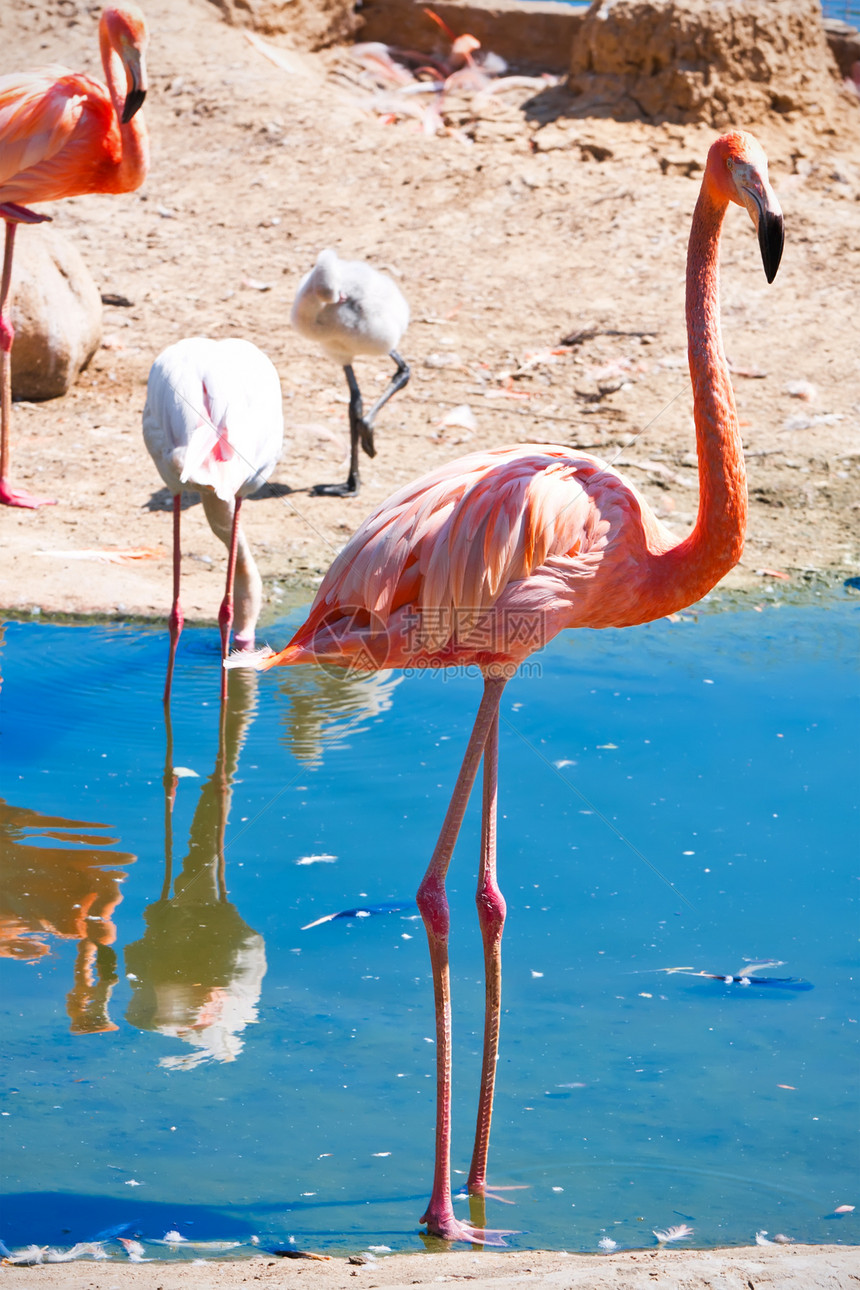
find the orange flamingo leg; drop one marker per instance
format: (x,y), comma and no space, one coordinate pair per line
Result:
(433,904)
(13,215)
(225,613)
(177,619)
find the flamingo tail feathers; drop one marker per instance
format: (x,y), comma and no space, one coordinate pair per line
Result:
(255,660)
(211,461)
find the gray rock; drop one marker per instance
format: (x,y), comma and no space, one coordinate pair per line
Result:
(56,313)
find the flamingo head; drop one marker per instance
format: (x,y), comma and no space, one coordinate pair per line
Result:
(462,50)
(325,278)
(737,170)
(125,30)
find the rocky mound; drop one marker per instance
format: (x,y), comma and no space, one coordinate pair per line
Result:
(721,62)
(312,24)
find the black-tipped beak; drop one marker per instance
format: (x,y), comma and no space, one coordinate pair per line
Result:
(771,235)
(133,103)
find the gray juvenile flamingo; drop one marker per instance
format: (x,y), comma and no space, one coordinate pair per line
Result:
(350,308)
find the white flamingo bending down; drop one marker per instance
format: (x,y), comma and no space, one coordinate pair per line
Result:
(349,308)
(214,421)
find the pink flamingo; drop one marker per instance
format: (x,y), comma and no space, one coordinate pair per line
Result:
(486,559)
(63,134)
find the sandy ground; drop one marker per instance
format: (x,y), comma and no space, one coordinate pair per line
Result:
(520,229)
(759,1268)
(507,235)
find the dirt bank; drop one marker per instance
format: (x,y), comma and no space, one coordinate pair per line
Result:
(519,228)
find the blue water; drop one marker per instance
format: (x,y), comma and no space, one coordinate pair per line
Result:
(179,1054)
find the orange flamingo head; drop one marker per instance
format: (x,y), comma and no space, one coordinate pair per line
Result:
(463,48)
(124,30)
(737,172)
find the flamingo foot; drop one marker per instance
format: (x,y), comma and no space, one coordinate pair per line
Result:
(349,489)
(365,436)
(20,497)
(490,1191)
(453,1229)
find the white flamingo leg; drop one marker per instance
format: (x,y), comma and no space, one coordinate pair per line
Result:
(225,613)
(491,916)
(11,496)
(433,904)
(176,620)
(243,594)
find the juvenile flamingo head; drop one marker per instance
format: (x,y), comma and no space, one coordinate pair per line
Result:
(737,170)
(124,30)
(325,278)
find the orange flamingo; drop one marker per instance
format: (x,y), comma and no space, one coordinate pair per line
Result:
(63,134)
(486,559)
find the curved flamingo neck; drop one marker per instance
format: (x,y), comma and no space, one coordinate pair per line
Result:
(716,542)
(132,162)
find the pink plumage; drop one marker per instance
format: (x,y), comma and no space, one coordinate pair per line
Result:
(481,561)
(484,560)
(63,134)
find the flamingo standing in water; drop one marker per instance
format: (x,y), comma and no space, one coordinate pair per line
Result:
(486,559)
(63,134)
(214,421)
(350,308)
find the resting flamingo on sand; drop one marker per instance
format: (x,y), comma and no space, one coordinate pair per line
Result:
(63,134)
(214,421)
(350,308)
(486,559)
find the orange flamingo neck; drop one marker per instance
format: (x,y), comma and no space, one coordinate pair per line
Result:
(132,161)
(716,542)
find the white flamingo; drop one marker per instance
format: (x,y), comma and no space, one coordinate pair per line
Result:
(214,421)
(349,308)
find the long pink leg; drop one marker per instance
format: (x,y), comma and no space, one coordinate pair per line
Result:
(177,618)
(491,916)
(225,613)
(433,904)
(10,496)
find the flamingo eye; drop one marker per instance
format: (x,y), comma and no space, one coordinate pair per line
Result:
(730,163)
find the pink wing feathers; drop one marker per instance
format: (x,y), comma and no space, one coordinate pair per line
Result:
(56,131)
(528,526)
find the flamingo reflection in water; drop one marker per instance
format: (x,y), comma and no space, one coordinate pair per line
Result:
(65,891)
(197,971)
(327,707)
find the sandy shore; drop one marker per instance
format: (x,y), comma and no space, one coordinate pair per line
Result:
(826,1267)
